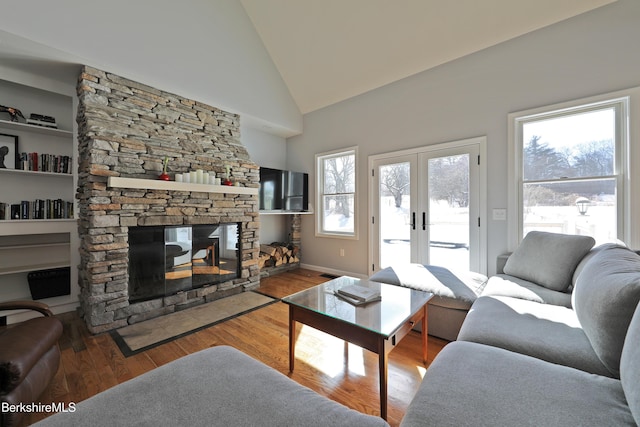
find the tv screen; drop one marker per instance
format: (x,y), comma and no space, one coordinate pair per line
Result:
(271,198)
(282,190)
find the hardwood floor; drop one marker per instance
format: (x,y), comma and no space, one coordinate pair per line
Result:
(93,363)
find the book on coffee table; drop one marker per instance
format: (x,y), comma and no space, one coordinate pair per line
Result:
(358,295)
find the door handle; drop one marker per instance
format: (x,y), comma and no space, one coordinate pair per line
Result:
(413,220)
(424,220)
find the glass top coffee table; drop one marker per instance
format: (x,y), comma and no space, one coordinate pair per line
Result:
(377,326)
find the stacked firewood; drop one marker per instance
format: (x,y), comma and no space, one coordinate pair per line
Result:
(277,254)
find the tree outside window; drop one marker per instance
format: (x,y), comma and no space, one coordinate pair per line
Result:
(570,157)
(336,193)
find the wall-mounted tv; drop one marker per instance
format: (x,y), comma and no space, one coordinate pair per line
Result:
(284,191)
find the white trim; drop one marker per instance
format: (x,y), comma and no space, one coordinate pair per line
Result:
(333,271)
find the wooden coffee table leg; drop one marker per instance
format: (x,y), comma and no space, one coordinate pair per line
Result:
(425,332)
(383,362)
(292,339)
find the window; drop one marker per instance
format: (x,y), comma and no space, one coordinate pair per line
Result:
(336,184)
(570,169)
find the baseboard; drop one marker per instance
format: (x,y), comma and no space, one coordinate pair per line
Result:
(333,271)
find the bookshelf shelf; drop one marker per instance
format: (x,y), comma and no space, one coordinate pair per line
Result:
(17,126)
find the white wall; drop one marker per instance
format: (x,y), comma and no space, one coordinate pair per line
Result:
(200,49)
(593,53)
(203,50)
(269,151)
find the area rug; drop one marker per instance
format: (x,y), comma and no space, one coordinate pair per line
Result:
(142,336)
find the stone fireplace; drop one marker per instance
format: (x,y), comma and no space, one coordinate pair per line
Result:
(126,130)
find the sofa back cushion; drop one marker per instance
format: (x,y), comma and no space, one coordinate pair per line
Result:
(548,259)
(605,297)
(630,366)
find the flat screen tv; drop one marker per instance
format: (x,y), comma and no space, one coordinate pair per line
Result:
(284,191)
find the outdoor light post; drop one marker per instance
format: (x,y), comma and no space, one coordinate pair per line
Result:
(583,205)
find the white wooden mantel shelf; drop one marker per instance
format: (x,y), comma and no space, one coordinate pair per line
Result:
(153,184)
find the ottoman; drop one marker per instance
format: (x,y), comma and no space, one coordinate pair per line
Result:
(454,292)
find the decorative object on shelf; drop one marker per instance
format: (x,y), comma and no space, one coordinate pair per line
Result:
(15,211)
(227,178)
(164,176)
(198,177)
(14,113)
(8,151)
(41,120)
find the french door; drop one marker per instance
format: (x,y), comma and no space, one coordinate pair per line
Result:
(425,207)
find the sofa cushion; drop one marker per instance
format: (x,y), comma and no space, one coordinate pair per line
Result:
(548,259)
(584,261)
(451,289)
(605,297)
(544,331)
(511,286)
(219,386)
(474,384)
(630,366)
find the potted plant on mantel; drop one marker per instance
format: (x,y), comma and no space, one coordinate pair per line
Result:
(164,176)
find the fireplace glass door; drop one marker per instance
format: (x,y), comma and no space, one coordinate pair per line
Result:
(167,260)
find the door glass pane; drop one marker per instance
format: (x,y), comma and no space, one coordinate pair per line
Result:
(395,214)
(448,215)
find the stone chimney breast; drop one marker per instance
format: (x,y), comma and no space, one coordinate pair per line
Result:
(127,129)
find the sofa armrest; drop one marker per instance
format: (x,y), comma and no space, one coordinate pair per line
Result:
(28,305)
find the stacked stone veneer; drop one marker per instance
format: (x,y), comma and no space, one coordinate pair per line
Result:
(126,129)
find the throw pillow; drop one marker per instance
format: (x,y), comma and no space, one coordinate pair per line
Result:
(605,297)
(548,259)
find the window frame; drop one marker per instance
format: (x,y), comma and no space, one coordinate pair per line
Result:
(621,102)
(320,174)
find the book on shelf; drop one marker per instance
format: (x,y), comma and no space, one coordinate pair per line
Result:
(40,120)
(46,163)
(42,209)
(358,295)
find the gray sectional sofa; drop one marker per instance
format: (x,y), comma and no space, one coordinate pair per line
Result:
(219,386)
(553,341)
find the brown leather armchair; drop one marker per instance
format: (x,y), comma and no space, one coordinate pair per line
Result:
(29,357)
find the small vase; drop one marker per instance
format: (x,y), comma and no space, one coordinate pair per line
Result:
(164,177)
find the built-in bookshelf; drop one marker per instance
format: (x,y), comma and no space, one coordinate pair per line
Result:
(37,185)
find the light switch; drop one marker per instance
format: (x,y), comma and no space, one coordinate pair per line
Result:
(500,214)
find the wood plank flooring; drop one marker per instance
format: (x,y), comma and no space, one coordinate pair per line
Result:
(93,363)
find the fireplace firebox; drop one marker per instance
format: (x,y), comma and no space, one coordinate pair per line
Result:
(166,260)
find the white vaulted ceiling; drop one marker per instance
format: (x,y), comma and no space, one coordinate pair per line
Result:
(331,50)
